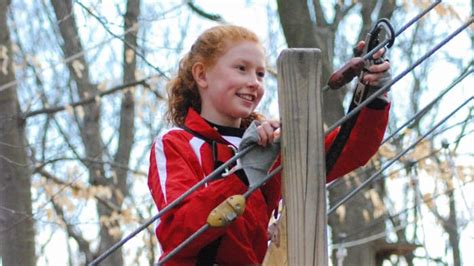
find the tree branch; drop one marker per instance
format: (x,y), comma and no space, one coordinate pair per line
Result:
(72,232)
(134,48)
(57,180)
(86,100)
(117,165)
(320,19)
(204,14)
(340,13)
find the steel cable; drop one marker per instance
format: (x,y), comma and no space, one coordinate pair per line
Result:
(400,31)
(246,150)
(355,191)
(205,227)
(173,204)
(376,174)
(394,216)
(425,109)
(418,115)
(398,77)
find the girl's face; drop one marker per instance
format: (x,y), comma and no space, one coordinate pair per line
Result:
(232,88)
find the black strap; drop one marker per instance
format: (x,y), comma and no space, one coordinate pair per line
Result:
(339,142)
(207,255)
(240,173)
(192,132)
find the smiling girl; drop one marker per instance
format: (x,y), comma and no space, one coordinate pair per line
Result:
(211,102)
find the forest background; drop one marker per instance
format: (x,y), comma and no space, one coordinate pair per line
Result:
(82,96)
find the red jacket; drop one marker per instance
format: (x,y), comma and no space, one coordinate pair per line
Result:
(179,160)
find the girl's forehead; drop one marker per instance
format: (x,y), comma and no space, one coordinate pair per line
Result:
(249,44)
(245,49)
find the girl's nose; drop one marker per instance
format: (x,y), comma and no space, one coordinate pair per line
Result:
(253,81)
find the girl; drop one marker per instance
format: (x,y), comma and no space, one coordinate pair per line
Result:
(211,102)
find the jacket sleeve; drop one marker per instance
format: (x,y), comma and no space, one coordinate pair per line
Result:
(363,142)
(174,168)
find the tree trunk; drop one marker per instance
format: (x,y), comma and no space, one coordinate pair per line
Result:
(300,32)
(17,233)
(451,227)
(127,111)
(349,219)
(90,127)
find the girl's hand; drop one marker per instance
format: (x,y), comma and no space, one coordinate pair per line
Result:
(376,74)
(268,131)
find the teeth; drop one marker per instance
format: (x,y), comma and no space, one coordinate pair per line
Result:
(246,97)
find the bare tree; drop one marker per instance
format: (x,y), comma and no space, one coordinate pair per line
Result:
(17,233)
(90,124)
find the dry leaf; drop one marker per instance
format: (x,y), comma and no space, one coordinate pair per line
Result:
(366,215)
(428,200)
(102,192)
(129,55)
(421,150)
(50,214)
(119,195)
(139,74)
(127,216)
(104,220)
(387,151)
(341,213)
(69,109)
(379,208)
(103,85)
(80,111)
(78,68)
(115,232)
(4,59)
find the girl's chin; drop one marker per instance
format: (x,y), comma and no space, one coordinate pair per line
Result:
(243,113)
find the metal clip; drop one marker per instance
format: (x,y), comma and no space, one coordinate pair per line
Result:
(237,165)
(359,94)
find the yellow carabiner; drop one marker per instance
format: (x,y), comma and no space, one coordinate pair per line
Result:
(227,211)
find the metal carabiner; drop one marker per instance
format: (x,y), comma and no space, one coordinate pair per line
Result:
(354,67)
(382,32)
(237,165)
(373,38)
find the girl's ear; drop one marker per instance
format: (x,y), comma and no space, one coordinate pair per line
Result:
(199,75)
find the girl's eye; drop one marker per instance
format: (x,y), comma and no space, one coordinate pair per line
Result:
(241,67)
(261,74)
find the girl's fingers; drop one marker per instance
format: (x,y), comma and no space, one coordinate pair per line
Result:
(376,72)
(376,79)
(274,123)
(263,136)
(277,134)
(357,50)
(379,53)
(379,68)
(266,132)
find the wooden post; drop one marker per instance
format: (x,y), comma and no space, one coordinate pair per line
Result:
(304,177)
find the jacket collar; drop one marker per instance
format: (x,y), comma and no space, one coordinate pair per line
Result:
(196,123)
